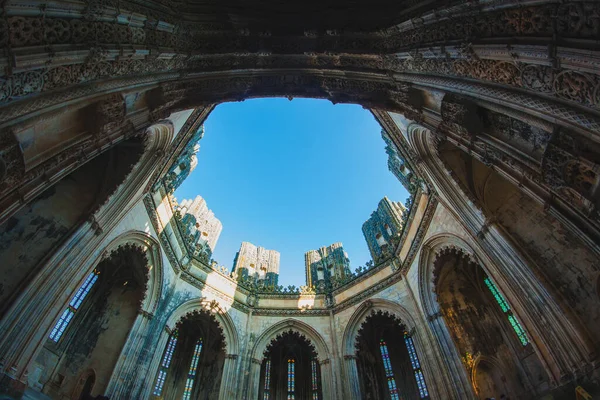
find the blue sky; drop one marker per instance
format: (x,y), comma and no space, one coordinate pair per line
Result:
(292,176)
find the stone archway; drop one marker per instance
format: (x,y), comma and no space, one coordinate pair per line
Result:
(322,354)
(466,300)
(95,329)
(196,354)
(419,337)
(229,386)
(387,361)
(565,338)
(290,367)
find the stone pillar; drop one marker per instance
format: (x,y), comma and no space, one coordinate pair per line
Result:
(455,372)
(352,384)
(327,380)
(132,368)
(229,381)
(254,373)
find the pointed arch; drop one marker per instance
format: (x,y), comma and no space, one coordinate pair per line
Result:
(363,311)
(429,252)
(295,325)
(151,248)
(214,308)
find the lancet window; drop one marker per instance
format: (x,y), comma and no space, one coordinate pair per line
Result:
(291,390)
(389,373)
(165,364)
(314,379)
(74,305)
(507,312)
(189,384)
(414,360)
(266,391)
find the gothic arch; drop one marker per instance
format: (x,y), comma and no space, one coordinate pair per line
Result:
(151,249)
(324,356)
(420,338)
(363,311)
(213,308)
(294,325)
(429,252)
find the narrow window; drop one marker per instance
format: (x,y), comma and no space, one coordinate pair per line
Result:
(267,379)
(315,382)
(76,301)
(189,383)
(414,360)
(389,374)
(164,365)
(291,390)
(507,312)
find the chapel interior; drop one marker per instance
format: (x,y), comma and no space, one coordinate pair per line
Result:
(484,284)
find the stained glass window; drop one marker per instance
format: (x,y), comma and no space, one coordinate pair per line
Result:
(164,365)
(414,360)
(507,311)
(74,304)
(189,383)
(267,387)
(314,380)
(291,384)
(389,373)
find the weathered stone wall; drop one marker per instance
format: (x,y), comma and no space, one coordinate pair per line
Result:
(31,235)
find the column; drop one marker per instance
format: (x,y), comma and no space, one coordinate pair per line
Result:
(229,382)
(352,386)
(327,379)
(254,373)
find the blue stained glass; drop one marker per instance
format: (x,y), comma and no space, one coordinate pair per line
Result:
(267,380)
(189,383)
(315,382)
(74,304)
(522,335)
(160,382)
(414,360)
(389,373)
(291,384)
(164,365)
(83,291)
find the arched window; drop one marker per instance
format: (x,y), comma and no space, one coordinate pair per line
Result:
(74,305)
(266,391)
(507,312)
(189,383)
(291,389)
(414,360)
(165,363)
(314,379)
(389,374)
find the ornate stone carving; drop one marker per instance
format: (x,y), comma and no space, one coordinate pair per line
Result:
(461,115)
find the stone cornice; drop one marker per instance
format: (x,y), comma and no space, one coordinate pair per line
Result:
(291,311)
